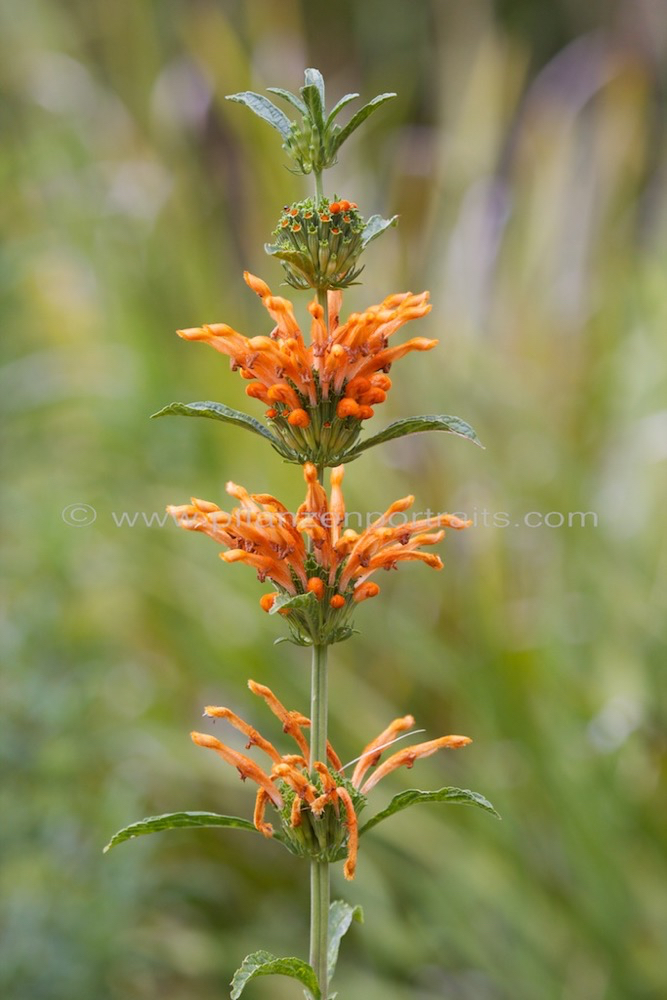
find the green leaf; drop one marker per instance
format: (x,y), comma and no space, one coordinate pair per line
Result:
(265,109)
(291,98)
(295,602)
(313,78)
(375,226)
(344,101)
(414,425)
(177,821)
(454,796)
(343,633)
(296,257)
(360,117)
(218,411)
(262,963)
(313,99)
(341,916)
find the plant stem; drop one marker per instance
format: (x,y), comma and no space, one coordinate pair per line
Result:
(323,300)
(319,192)
(319,870)
(318,705)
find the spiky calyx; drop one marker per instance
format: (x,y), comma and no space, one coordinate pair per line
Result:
(318,244)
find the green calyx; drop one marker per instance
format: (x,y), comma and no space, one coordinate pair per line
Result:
(323,837)
(312,140)
(326,438)
(319,244)
(312,620)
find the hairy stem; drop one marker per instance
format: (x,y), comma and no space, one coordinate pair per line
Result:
(319,192)
(319,870)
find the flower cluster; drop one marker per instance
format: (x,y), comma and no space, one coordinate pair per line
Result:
(318,393)
(321,568)
(319,243)
(308,796)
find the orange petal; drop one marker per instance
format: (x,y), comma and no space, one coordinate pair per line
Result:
(258,286)
(364,591)
(291,720)
(352,833)
(254,738)
(407,757)
(258,816)
(371,753)
(246,767)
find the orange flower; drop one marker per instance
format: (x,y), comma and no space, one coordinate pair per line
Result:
(308,799)
(340,374)
(311,553)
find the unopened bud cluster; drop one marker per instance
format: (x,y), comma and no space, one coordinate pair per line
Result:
(319,243)
(307,145)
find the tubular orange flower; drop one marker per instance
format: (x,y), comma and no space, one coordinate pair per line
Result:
(311,553)
(319,392)
(308,801)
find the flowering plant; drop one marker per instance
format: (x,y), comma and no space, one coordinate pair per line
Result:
(318,392)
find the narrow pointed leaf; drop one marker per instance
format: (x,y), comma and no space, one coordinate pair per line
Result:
(296,602)
(265,109)
(262,963)
(313,78)
(218,411)
(454,796)
(313,99)
(359,118)
(341,915)
(375,226)
(293,639)
(291,98)
(414,425)
(344,101)
(177,821)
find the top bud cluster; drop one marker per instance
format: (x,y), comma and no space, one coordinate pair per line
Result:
(317,241)
(313,143)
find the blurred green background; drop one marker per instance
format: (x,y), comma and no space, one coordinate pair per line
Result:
(526,155)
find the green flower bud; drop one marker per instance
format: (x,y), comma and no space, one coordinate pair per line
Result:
(319,244)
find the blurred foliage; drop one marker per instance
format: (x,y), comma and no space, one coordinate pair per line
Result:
(526,156)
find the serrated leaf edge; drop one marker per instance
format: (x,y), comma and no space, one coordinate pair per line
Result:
(187,820)
(456,797)
(409,425)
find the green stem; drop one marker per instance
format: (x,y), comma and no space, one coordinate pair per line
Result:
(319,191)
(318,705)
(319,870)
(323,299)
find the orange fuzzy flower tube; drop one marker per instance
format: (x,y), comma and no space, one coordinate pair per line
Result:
(308,798)
(319,389)
(321,569)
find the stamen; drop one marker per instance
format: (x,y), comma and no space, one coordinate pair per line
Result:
(383,746)
(407,757)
